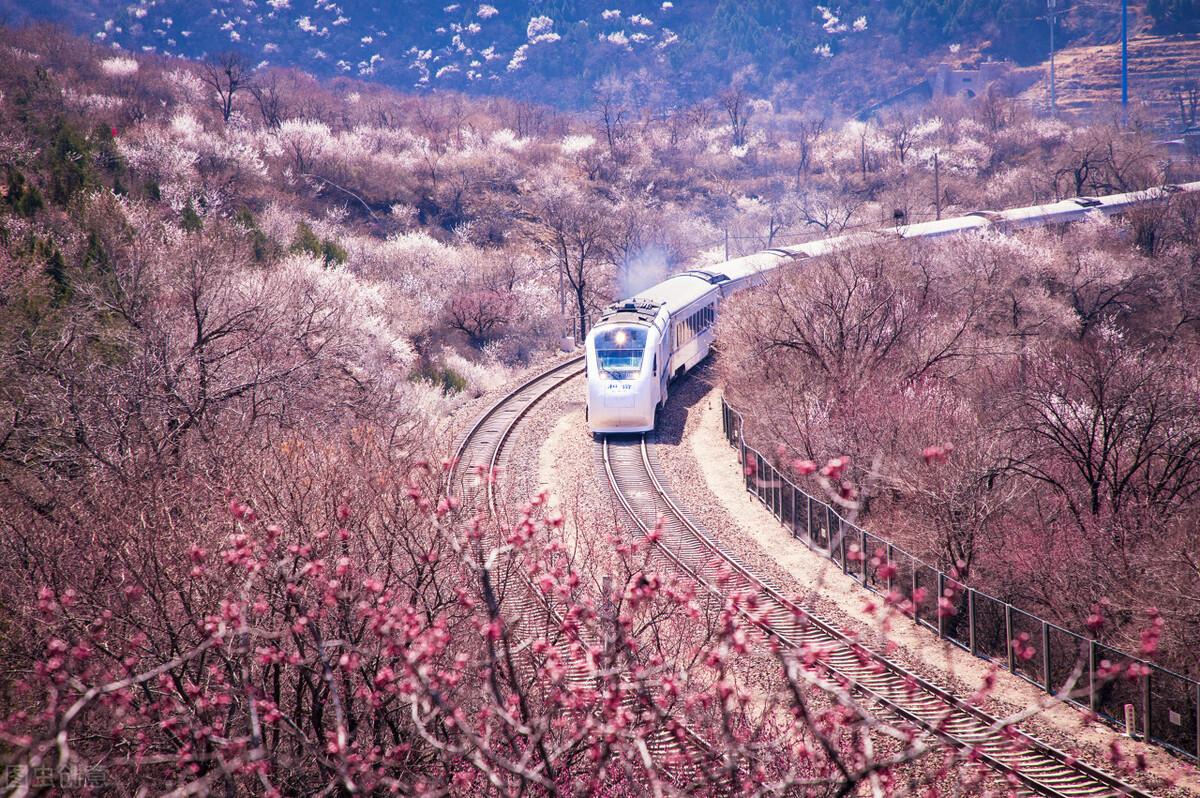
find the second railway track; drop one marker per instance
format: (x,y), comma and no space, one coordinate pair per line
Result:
(1030,764)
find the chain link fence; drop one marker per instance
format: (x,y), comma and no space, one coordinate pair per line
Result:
(1148,701)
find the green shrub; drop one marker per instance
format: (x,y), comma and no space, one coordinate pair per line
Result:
(55,267)
(333,252)
(263,248)
(444,377)
(69,161)
(306,241)
(21,195)
(191,221)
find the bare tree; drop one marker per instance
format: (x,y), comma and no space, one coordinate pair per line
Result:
(900,128)
(996,108)
(805,135)
(830,209)
(735,102)
(575,230)
(271,104)
(1186,94)
(1105,160)
(1111,428)
(529,119)
(612,111)
(226,75)
(480,314)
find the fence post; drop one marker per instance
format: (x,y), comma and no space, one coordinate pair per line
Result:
(808,519)
(795,515)
(888,583)
(745,465)
(862,549)
(1046,658)
(937,605)
(842,545)
(1092,674)
(829,539)
(1146,704)
(912,596)
(766,479)
(1008,637)
(971,622)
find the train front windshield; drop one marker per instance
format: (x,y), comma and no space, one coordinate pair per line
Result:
(619,352)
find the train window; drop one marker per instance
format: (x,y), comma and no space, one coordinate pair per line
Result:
(619,352)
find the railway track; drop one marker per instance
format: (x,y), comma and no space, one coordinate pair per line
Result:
(480,456)
(479,453)
(1032,766)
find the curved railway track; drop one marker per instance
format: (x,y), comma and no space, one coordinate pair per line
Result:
(1025,761)
(480,456)
(480,451)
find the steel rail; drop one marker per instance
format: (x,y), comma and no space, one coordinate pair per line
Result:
(553,375)
(489,433)
(1006,749)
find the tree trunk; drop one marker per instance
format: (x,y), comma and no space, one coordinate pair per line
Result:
(582,308)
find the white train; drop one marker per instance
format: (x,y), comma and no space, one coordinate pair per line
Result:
(641,344)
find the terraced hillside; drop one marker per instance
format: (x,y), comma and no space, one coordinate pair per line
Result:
(1089,77)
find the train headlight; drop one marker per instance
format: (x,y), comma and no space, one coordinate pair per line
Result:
(620,338)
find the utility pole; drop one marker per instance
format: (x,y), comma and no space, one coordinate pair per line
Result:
(937,186)
(1051,16)
(1124,63)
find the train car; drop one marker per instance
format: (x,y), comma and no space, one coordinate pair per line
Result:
(640,344)
(1078,208)
(944,227)
(1070,210)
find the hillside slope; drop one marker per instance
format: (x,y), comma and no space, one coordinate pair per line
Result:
(849,53)
(1088,78)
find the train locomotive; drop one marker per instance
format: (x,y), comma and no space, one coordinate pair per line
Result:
(639,345)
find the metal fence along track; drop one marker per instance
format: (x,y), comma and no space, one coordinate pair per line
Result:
(1166,705)
(683,545)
